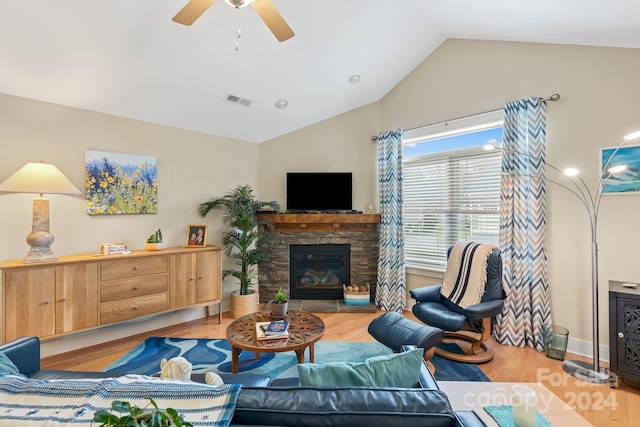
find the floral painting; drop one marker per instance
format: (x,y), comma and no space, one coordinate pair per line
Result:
(118,184)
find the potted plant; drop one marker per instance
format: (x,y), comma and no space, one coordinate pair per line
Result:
(154,242)
(135,416)
(243,242)
(280,305)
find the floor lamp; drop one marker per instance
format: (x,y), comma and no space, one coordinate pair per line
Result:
(591,201)
(39,178)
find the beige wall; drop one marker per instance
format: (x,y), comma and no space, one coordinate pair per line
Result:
(339,144)
(599,89)
(192,167)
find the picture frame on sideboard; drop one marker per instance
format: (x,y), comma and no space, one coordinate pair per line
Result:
(196,235)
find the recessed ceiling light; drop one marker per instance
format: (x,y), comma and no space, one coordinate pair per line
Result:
(281,104)
(353,79)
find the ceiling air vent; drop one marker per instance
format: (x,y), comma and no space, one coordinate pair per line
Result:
(233,99)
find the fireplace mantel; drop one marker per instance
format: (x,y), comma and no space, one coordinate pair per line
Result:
(323,222)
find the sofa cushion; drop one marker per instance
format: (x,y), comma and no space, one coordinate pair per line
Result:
(343,406)
(7,366)
(393,370)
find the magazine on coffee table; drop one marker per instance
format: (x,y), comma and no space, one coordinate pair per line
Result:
(261,336)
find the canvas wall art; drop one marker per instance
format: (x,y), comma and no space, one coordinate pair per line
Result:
(118,184)
(627,182)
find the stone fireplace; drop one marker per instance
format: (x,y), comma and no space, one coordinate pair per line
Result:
(317,243)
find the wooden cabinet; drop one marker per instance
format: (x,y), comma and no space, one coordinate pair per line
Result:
(50,300)
(84,291)
(77,298)
(624,332)
(193,278)
(133,287)
(29,302)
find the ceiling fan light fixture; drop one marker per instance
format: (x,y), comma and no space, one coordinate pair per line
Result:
(281,104)
(238,3)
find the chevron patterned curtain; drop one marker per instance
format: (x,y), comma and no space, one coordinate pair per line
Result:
(391,287)
(522,225)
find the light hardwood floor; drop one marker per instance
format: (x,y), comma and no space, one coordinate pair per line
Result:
(598,404)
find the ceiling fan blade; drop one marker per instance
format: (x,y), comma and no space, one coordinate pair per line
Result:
(192,11)
(273,19)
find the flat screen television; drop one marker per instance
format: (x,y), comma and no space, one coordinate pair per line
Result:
(319,191)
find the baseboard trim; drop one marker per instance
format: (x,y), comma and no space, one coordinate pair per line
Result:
(585,349)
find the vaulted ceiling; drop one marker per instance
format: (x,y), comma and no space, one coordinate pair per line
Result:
(128,58)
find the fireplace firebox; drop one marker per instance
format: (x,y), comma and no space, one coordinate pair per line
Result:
(318,271)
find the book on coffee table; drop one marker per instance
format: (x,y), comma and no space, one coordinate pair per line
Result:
(262,336)
(277,327)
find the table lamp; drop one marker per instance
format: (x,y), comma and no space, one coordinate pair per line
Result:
(39,178)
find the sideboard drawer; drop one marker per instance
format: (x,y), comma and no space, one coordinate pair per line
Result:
(126,268)
(129,288)
(131,308)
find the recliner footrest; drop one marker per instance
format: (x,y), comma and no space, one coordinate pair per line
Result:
(394,330)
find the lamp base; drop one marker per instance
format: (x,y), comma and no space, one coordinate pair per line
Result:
(40,251)
(39,256)
(584,371)
(40,239)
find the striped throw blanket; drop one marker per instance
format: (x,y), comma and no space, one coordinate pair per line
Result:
(466,275)
(58,403)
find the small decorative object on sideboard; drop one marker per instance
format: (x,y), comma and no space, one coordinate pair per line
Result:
(356,295)
(154,242)
(280,305)
(114,249)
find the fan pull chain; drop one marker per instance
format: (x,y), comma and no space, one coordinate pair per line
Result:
(238,31)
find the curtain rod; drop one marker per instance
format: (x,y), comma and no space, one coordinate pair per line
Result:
(552,98)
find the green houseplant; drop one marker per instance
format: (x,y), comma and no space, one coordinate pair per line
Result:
(154,242)
(243,241)
(135,416)
(280,305)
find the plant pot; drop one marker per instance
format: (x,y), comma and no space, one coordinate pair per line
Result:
(279,309)
(155,246)
(243,304)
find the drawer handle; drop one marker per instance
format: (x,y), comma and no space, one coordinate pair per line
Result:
(199,277)
(620,335)
(63,299)
(135,288)
(46,302)
(135,307)
(135,268)
(191,280)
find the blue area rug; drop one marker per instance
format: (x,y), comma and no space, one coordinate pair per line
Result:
(215,355)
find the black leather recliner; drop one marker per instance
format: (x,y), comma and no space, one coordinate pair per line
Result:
(434,309)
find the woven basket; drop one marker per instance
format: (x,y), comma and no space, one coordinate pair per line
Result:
(352,297)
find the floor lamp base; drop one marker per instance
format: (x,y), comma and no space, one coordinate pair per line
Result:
(584,371)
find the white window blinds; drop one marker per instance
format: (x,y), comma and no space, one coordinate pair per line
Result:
(448,197)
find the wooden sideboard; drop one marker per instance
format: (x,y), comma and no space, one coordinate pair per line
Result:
(82,292)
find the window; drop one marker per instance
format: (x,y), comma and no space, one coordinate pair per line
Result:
(451,187)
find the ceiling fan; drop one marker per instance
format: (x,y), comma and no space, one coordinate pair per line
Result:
(266,10)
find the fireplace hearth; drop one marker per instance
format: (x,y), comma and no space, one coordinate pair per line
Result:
(318,271)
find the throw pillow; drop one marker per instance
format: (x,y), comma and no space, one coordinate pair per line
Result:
(394,370)
(7,366)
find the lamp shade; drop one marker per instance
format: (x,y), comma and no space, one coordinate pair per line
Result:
(39,178)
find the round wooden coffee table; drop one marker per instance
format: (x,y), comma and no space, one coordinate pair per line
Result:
(304,330)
